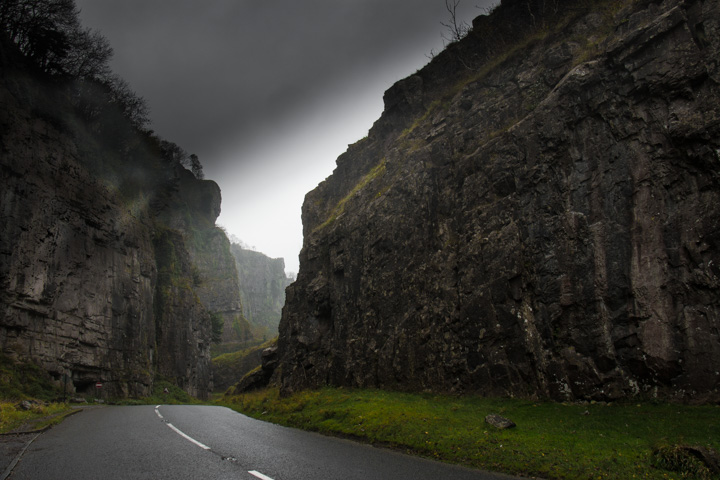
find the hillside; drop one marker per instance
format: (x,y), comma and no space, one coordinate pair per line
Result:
(536,213)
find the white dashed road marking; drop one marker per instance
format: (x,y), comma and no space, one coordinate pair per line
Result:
(185,436)
(202,445)
(259,475)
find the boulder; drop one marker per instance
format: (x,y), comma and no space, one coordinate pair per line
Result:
(499,422)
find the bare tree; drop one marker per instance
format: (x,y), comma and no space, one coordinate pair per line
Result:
(131,104)
(41,29)
(457,29)
(89,56)
(48,32)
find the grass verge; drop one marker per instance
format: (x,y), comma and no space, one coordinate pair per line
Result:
(14,418)
(551,440)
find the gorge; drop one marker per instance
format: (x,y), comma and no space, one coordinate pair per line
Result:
(535,214)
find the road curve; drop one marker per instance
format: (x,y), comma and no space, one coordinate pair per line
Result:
(203,442)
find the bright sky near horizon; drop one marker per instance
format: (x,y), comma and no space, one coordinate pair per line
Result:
(269,93)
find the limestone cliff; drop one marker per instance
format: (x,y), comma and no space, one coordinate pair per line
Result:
(193,209)
(536,213)
(262,283)
(97,283)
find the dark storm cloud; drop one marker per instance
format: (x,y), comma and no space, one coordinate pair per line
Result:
(220,71)
(268,93)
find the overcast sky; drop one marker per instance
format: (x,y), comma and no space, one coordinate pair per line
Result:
(268,93)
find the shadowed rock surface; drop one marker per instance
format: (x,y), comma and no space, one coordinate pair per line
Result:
(536,213)
(102,277)
(193,210)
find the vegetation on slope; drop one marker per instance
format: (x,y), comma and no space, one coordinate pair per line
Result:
(551,440)
(14,418)
(60,70)
(24,380)
(230,368)
(27,396)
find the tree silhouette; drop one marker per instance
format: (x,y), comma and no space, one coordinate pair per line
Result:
(172,152)
(196,167)
(49,34)
(457,29)
(133,106)
(42,29)
(88,56)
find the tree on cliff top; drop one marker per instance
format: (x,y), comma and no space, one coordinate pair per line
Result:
(49,34)
(196,167)
(456,28)
(41,29)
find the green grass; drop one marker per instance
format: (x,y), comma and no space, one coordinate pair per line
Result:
(39,416)
(233,358)
(338,210)
(219,349)
(551,440)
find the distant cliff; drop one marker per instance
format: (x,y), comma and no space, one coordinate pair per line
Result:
(194,212)
(262,283)
(102,276)
(536,213)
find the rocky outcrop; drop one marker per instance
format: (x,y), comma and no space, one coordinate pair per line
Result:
(193,209)
(535,214)
(257,362)
(95,284)
(262,283)
(229,368)
(218,285)
(261,376)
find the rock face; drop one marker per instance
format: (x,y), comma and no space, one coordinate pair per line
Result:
(97,280)
(193,209)
(262,283)
(181,322)
(535,214)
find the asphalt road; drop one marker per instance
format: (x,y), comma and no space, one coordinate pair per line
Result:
(202,442)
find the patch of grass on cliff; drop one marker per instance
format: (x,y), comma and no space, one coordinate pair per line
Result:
(551,440)
(375,172)
(519,45)
(219,349)
(232,358)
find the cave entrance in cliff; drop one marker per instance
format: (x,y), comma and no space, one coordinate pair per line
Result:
(84,387)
